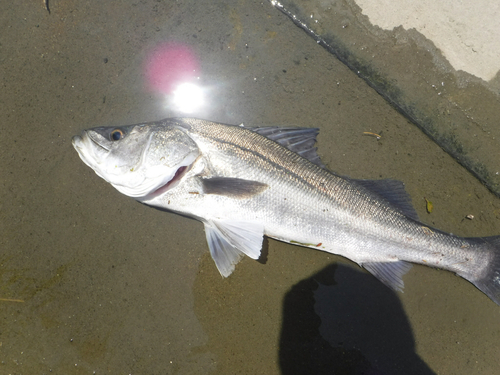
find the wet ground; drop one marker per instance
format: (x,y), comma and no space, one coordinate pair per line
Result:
(93,282)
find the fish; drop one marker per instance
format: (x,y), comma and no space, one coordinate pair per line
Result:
(244,183)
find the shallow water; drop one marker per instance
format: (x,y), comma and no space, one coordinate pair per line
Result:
(111,286)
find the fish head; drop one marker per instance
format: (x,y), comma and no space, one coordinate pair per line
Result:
(140,161)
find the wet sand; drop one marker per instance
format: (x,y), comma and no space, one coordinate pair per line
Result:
(111,286)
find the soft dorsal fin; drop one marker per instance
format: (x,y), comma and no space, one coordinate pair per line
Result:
(229,240)
(298,140)
(392,191)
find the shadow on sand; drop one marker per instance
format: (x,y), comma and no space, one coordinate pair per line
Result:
(343,321)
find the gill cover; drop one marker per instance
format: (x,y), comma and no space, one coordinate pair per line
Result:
(137,159)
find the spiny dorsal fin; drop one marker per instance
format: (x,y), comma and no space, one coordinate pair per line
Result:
(298,140)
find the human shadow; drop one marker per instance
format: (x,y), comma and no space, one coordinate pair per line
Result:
(344,321)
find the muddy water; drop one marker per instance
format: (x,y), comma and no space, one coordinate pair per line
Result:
(93,282)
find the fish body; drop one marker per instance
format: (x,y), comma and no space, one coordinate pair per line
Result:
(244,183)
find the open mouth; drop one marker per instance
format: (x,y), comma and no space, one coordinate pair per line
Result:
(173,182)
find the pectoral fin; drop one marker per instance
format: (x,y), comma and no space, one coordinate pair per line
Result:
(232,187)
(390,273)
(229,240)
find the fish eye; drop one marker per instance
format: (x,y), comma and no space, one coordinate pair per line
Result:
(116,135)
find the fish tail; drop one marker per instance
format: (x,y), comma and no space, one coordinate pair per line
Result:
(489,279)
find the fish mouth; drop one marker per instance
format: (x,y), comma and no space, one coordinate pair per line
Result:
(90,150)
(77,142)
(92,137)
(81,145)
(173,182)
(87,139)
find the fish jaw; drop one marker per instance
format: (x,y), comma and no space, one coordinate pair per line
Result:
(88,152)
(136,165)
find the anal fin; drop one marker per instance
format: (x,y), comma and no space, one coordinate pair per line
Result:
(390,273)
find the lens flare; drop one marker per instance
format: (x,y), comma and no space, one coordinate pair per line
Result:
(187,97)
(168,66)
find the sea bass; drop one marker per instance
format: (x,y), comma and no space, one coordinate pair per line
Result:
(243,183)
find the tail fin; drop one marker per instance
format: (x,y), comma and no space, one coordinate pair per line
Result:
(489,281)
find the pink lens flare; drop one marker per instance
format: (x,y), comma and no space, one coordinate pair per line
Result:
(169,65)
